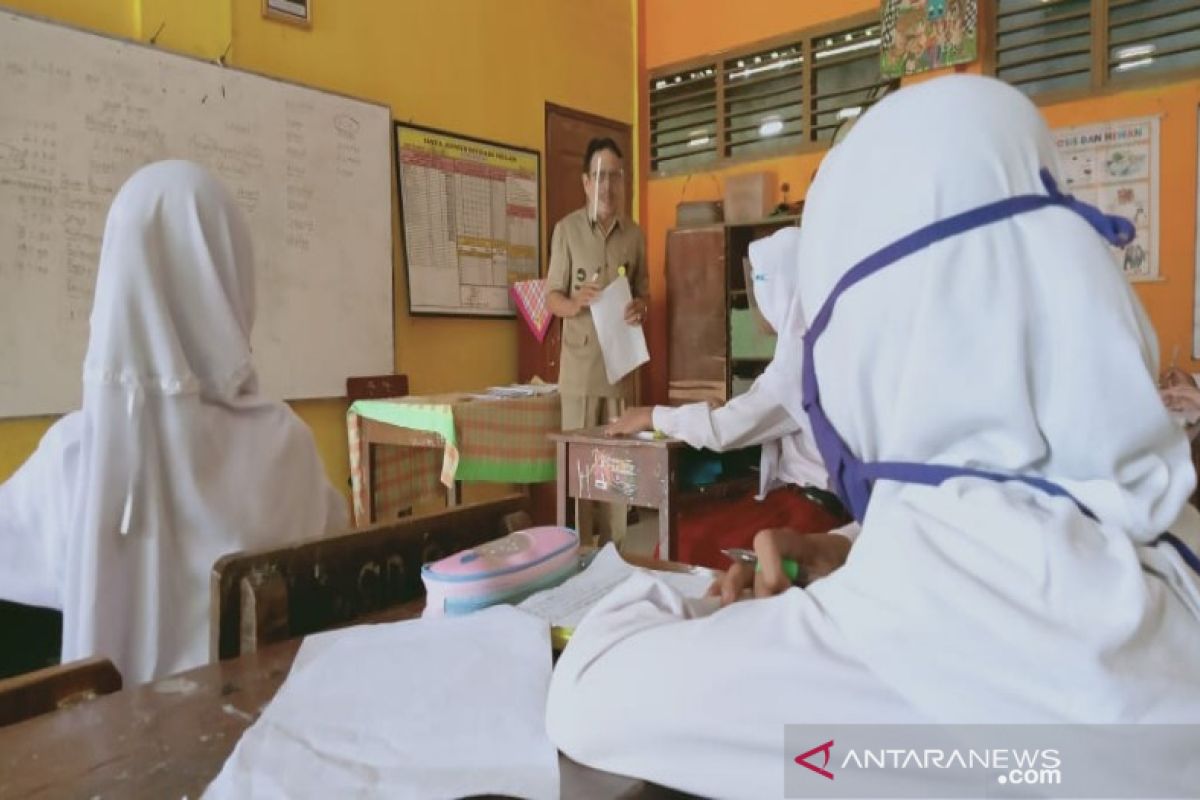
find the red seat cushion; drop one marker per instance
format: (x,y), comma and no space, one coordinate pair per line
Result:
(706,527)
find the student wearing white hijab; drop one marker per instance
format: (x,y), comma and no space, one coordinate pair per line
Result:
(996,383)
(789,459)
(759,416)
(175,458)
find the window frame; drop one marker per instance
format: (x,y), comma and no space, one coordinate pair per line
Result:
(717,61)
(1100,83)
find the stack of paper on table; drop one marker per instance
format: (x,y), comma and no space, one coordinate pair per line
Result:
(523,389)
(565,605)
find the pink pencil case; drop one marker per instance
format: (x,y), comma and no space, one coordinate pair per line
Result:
(505,570)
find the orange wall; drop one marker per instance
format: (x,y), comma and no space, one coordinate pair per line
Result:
(1170,300)
(679,30)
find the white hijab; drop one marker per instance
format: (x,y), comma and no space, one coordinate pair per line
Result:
(1019,348)
(774,274)
(774,277)
(175,459)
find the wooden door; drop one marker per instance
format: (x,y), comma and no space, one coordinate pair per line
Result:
(568,132)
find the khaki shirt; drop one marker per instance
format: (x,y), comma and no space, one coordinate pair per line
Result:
(578,250)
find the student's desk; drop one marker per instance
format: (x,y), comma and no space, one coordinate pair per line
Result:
(440,440)
(633,471)
(169,739)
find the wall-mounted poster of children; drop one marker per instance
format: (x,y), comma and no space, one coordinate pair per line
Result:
(920,35)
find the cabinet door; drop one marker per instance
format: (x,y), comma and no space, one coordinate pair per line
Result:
(696,326)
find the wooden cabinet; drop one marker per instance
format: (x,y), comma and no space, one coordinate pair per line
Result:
(716,347)
(697,335)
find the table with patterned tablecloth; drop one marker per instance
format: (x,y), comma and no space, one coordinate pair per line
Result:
(406,449)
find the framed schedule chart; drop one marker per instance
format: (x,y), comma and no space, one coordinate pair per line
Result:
(471,215)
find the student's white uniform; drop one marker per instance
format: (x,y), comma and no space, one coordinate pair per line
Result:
(174,459)
(1017,347)
(759,416)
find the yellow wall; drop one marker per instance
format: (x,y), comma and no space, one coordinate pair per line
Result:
(477,67)
(679,30)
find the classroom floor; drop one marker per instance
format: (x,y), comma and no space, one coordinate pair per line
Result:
(642,538)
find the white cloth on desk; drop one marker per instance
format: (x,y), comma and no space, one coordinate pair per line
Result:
(175,458)
(1017,347)
(452,707)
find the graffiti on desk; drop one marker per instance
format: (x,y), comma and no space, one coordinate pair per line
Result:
(608,473)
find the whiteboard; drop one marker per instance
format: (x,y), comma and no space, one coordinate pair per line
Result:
(471,221)
(80,112)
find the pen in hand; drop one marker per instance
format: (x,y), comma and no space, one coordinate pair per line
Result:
(795,573)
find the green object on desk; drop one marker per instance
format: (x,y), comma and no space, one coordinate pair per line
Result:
(792,569)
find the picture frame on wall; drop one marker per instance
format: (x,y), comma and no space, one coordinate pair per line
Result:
(294,12)
(471,218)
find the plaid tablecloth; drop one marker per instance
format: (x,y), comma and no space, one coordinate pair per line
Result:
(498,440)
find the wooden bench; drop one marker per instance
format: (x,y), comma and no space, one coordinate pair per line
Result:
(52,688)
(271,595)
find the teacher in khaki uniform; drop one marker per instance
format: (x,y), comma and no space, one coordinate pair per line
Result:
(588,250)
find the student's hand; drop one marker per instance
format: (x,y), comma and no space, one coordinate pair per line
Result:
(1175,377)
(635,311)
(1182,400)
(639,418)
(817,553)
(586,295)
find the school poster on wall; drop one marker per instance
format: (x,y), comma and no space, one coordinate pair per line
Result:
(1114,165)
(471,219)
(920,35)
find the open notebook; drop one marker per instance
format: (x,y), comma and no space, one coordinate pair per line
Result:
(565,605)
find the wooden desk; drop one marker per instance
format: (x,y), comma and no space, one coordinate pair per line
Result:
(496,440)
(625,469)
(169,739)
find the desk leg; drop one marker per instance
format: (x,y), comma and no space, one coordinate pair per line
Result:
(560,477)
(667,529)
(366,458)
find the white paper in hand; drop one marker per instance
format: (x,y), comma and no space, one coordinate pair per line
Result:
(623,345)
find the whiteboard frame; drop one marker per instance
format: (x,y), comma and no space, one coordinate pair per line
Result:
(220,63)
(215,62)
(397,127)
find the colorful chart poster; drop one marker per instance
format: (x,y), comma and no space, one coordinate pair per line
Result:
(471,219)
(1114,165)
